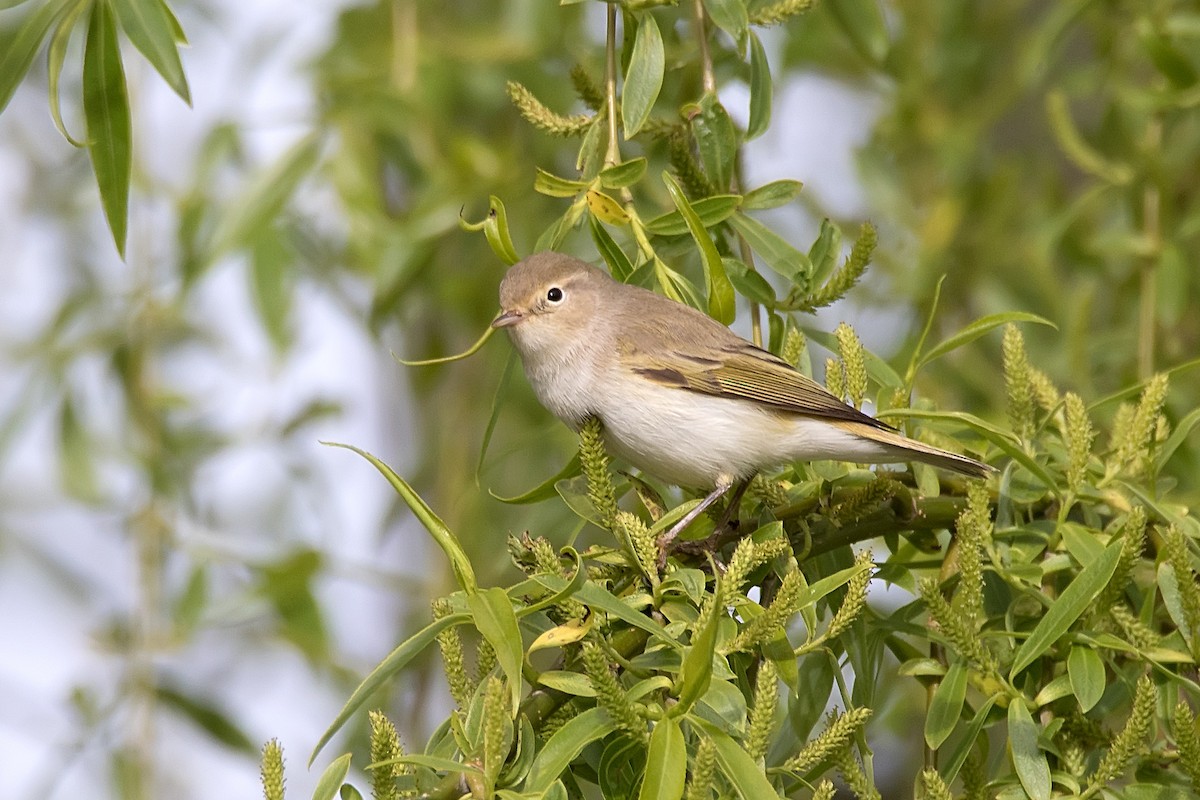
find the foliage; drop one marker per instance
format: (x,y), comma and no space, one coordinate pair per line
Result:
(415,129)
(1056,606)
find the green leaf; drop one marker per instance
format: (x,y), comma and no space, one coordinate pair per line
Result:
(1030,762)
(963,748)
(696,672)
(565,746)
(435,763)
(773,194)
(597,597)
(551,185)
(749,283)
(746,777)
(106,109)
(445,538)
(151,28)
(494,617)
(711,211)
(666,762)
(825,251)
(1086,671)
(779,255)
(760,88)
(55,58)
(393,663)
(243,219)
(644,79)
(332,778)
(978,328)
(348,792)
(270,263)
(618,263)
(624,174)
(18,48)
(578,579)
(573,683)
(946,706)
(1178,436)
(498,398)
(546,489)
(208,717)
(721,301)
(730,16)
(1068,607)
(716,139)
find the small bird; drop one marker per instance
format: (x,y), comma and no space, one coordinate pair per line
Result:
(678,394)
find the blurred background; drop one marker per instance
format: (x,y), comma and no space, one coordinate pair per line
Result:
(186,572)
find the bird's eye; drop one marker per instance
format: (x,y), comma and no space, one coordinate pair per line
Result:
(555,295)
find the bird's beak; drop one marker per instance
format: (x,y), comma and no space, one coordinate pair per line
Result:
(507,318)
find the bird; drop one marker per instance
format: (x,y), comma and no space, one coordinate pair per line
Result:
(678,394)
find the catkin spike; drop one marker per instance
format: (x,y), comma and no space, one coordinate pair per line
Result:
(854,363)
(1018,381)
(1079,435)
(845,277)
(537,114)
(762,712)
(272,770)
(594,459)
(1131,740)
(836,737)
(385,746)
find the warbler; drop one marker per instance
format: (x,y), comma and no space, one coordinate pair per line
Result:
(678,394)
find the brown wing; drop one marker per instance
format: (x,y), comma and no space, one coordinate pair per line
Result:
(739,369)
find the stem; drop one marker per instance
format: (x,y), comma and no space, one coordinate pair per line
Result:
(613,155)
(707,75)
(1151,230)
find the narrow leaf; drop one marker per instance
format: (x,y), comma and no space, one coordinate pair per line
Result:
(264,197)
(332,778)
(445,538)
(152,30)
(746,777)
(730,16)
(565,746)
(618,263)
(606,209)
(710,210)
(760,88)
(721,303)
(551,185)
(644,79)
(395,661)
(624,174)
(778,254)
(597,597)
(696,672)
(1086,671)
(946,705)
(106,109)
(773,194)
(666,762)
(1030,762)
(978,328)
(1063,612)
(716,139)
(497,622)
(55,58)
(544,490)
(963,748)
(19,48)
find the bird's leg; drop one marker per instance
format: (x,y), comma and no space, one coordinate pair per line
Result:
(665,540)
(726,528)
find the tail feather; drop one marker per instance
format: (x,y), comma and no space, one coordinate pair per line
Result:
(905,449)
